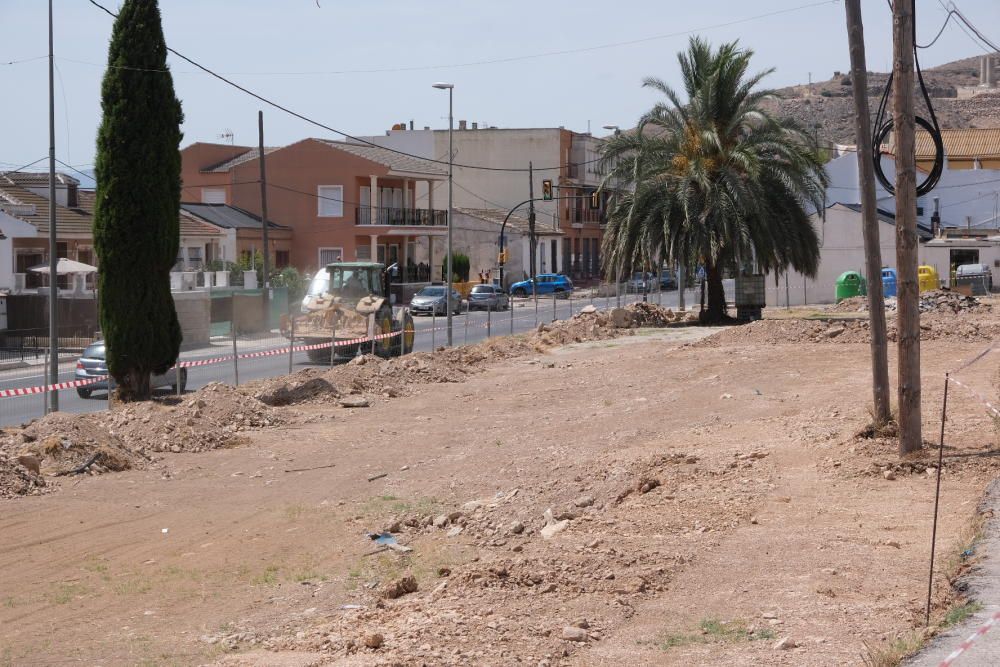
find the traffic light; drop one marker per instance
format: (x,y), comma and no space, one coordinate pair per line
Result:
(595,200)
(547,190)
(503,256)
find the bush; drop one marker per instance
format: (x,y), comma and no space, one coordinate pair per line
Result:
(460,266)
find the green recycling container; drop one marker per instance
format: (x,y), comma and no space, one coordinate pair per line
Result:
(851,283)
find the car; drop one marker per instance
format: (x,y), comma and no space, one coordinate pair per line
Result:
(488,297)
(638,283)
(431,300)
(93,364)
(545,283)
(667,280)
(978,275)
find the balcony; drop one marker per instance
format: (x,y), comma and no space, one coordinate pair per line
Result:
(401,217)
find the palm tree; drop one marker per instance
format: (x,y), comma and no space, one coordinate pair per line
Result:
(715,180)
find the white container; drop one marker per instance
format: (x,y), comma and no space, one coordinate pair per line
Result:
(222,278)
(249,280)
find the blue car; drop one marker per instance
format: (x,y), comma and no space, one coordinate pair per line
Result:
(547,283)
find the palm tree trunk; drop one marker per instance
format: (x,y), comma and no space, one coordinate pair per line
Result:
(716,310)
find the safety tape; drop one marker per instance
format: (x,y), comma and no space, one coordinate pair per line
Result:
(985,401)
(967,644)
(70,384)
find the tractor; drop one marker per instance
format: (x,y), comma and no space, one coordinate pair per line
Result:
(348,301)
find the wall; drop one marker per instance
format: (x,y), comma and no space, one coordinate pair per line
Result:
(12,228)
(194,311)
(200,156)
(937,253)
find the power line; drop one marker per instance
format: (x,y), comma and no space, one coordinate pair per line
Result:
(952,8)
(334,130)
(24,60)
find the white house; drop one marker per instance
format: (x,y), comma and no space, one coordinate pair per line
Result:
(11,228)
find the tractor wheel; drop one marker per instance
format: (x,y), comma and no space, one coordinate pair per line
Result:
(520,292)
(383,325)
(409,331)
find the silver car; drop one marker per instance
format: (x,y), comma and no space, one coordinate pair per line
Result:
(93,364)
(431,300)
(488,297)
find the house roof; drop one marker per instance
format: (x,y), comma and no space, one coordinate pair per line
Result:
(966,143)
(34,179)
(888,217)
(227,217)
(227,165)
(496,217)
(393,160)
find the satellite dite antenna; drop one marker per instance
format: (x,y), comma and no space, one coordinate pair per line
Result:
(227,136)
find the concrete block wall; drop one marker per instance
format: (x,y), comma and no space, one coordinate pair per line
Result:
(194,311)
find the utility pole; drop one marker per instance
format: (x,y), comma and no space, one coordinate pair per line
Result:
(531,229)
(263,213)
(873,253)
(908,317)
(53,246)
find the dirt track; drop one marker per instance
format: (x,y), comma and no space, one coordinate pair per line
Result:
(763,523)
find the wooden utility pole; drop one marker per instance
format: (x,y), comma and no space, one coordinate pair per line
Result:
(531,230)
(908,297)
(263,204)
(866,175)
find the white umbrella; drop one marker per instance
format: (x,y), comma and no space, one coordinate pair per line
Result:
(65,267)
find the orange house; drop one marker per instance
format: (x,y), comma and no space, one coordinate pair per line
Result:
(342,201)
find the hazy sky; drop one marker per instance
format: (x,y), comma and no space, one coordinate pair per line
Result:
(291,51)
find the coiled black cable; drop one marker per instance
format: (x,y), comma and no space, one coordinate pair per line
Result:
(883,126)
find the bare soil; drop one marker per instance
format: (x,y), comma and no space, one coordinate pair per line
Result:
(641,500)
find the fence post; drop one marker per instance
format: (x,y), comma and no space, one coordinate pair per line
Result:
(607,298)
(553,306)
(570,299)
(236,362)
(489,319)
(536,310)
(468,313)
(402,330)
(108,382)
(291,344)
(510,307)
(333,342)
(177,376)
(434,314)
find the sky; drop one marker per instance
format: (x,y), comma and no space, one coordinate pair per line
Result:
(360,67)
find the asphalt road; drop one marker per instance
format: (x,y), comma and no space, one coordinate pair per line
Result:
(431,332)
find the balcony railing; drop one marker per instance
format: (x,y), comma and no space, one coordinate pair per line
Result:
(412,217)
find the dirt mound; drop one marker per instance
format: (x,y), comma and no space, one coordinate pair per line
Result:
(942,301)
(212,417)
(853,304)
(65,443)
(932,327)
(17,480)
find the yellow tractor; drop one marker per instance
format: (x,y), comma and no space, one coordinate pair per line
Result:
(348,301)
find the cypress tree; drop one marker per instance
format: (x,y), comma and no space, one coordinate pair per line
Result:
(137,208)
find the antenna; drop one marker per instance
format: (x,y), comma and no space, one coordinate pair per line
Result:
(227,136)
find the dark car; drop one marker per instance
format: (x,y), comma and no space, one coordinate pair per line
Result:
(545,283)
(488,297)
(667,280)
(93,364)
(432,300)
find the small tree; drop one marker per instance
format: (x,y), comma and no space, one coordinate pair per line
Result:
(460,266)
(137,208)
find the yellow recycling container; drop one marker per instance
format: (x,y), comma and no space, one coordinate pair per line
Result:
(927,278)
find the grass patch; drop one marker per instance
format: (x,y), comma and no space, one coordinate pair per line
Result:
(308,575)
(959,613)
(892,654)
(268,577)
(384,505)
(66,592)
(132,586)
(714,631)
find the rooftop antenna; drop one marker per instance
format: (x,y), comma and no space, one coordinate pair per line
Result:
(227,136)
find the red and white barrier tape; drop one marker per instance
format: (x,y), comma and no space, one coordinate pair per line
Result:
(70,384)
(967,644)
(985,401)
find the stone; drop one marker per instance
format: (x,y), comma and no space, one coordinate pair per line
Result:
(573,634)
(30,463)
(889,475)
(833,332)
(176,449)
(547,588)
(584,501)
(621,318)
(725,397)
(784,644)
(374,640)
(454,532)
(588,309)
(553,529)
(516,527)
(440,521)
(354,401)
(400,587)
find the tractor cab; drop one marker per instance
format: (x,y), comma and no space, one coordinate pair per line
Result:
(345,282)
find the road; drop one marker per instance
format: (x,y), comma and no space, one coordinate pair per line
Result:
(466,328)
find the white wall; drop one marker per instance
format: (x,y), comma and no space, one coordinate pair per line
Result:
(12,228)
(937,253)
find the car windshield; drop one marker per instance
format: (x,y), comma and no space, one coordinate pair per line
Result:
(482,289)
(320,283)
(353,280)
(94,351)
(431,291)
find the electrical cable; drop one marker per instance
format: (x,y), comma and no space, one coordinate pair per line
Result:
(334,130)
(985,40)
(883,126)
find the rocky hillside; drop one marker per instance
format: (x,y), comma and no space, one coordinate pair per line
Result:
(826,106)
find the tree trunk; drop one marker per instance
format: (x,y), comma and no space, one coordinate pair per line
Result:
(135,386)
(715,313)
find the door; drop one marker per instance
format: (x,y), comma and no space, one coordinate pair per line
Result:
(554,253)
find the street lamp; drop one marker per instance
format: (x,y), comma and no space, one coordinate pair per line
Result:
(615,128)
(450,88)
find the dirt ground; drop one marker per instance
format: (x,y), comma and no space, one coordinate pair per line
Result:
(640,500)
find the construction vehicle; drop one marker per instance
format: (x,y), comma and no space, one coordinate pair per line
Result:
(348,301)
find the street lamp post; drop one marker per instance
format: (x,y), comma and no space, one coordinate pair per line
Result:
(451,156)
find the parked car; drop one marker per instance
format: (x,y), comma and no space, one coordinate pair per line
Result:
(93,364)
(977,275)
(638,283)
(488,297)
(667,280)
(432,300)
(547,283)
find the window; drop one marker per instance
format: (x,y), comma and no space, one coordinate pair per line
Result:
(213,195)
(25,260)
(331,201)
(364,253)
(282,258)
(330,255)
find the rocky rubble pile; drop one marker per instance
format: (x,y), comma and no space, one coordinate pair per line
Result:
(937,301)
(17,479)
